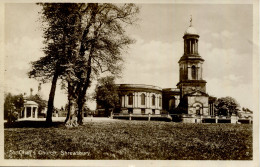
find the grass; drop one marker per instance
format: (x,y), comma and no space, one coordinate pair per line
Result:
(120,139)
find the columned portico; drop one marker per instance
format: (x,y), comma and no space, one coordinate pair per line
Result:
(30,110)
(140,99)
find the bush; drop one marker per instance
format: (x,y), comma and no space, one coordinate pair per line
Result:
(12,117)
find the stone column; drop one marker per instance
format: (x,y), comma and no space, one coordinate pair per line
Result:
(133,100)
(189,72)
(196,46)
(36,112)
(31,112)
(193,46)
(123,101)
(136,98)
(25,112)
(190,47)
(199,71)
(148,100)
(157,101)
(146,96)
(126,101)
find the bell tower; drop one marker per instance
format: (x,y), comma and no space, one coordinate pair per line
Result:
(190,64)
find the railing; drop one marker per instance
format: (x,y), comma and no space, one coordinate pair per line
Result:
(127,114)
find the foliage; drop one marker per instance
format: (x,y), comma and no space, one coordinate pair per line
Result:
(60,32)
(81,41)
(13,104)
(227,106)
(60,40)
(106,93)
(133,140)
(212,99)
(42,104)
(102,44)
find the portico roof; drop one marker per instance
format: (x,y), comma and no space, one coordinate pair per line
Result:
(30,103)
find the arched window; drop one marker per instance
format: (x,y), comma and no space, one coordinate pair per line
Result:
(193,72)
(130,99)
(142,99)
(153,100)
(160,101)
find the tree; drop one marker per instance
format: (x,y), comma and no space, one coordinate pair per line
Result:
(13,104)
(60,27)
(227,106)
(101,48)
(106,93)
(81,41)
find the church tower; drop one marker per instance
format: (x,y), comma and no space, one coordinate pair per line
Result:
(190,64)
(193,96)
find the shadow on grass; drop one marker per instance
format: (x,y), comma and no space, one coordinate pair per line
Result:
(33,124)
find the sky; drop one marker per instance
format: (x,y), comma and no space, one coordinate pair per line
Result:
(225,42)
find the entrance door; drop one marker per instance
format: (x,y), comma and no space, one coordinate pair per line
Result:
(171,103)
(130,110)
(143,111)
(198,110)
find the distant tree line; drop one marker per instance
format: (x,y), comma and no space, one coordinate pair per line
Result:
(13,104)
(225,106)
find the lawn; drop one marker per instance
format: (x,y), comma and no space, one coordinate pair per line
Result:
(121,139)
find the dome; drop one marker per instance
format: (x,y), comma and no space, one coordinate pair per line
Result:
(30,103)
(191,31)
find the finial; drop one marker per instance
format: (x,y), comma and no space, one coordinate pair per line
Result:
(190,20)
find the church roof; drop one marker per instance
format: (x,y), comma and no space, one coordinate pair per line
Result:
(191,31)
(196,93)
(139,87)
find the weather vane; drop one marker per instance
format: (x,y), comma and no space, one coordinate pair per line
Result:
(190,20)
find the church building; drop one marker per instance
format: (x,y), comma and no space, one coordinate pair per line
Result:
(189,99)
(194,99)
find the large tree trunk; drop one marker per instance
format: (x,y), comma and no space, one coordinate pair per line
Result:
(80,109)
(69,101)
(82,94)
(81,100)
(51,98)
(86,82)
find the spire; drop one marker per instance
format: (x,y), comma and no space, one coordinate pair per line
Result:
(190,30)
(190,20)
